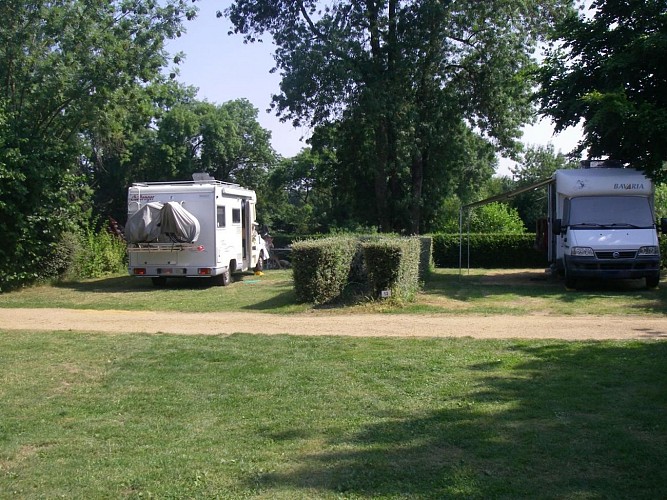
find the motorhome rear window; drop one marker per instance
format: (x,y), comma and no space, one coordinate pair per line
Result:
(236,215)
(221,221)
(611,211)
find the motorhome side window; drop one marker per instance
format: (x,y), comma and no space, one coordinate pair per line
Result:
(221,222)
(236,215)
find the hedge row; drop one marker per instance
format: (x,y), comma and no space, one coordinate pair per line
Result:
(325,269)
(322,268)
(498,251)
(488,251)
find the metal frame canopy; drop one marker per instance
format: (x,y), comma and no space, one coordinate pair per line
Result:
(498,197)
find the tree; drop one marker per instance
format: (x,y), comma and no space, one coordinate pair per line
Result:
(494,218)
(124,148)
(403,78)
(610,70)
(169,137)
(62,66)
(537,164)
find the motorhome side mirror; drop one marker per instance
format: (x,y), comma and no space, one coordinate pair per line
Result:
(663,225)
(557,226)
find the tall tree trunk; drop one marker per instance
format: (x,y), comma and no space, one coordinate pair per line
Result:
(381,201)
(419,161)
(382,123)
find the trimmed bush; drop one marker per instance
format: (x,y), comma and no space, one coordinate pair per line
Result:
(426,263)
(326,269)
(321,268)
(393,264)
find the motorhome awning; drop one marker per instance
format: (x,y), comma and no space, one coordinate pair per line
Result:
(509,194)
(499,197)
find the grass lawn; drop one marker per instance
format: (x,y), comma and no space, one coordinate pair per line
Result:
(161,416)
(446,292)
(129,416)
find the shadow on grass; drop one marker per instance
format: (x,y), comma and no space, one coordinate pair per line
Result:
(537,284)
(569,420)
(278,301)
(140,284)
(109,285)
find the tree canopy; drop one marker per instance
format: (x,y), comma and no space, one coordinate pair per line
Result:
(409,85)
(608,68)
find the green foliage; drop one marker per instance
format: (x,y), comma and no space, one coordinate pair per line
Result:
(65,69)
(176,136)
(426,263)
(300,194)
(224,140)
(609,69)
(661,201)
(393,264)
(321,268)
(493,218)
(537,164)
(487,250)
(98,253)
(332,268)
(414,98)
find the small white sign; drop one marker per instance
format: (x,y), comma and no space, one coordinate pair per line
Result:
(385,294)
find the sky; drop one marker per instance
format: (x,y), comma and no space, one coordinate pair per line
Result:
(223,68)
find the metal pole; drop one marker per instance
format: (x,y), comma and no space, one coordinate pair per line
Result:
(460,241)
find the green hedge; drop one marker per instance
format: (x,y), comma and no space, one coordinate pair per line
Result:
(394,265)
(497,250)
(325,269)
(322,268)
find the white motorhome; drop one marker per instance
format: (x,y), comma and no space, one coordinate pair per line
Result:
(193,229)
(602,224)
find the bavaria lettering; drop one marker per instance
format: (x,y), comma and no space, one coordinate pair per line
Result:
(629,186)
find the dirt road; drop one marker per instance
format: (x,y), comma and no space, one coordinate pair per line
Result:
(362,325)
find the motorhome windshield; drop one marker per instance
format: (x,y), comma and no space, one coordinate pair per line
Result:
(610,211)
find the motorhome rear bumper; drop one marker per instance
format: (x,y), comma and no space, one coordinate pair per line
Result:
(592,267)
(175,271)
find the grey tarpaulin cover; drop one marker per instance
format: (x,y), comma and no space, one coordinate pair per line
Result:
(170,220)
(179,224)
(144,225)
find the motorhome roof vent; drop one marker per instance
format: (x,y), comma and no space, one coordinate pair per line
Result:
(600,164)
(202,177)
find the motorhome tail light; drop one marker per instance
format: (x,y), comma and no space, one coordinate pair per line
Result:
(582,251)
(648,250)
(139,271)
(200,248)
(204,271)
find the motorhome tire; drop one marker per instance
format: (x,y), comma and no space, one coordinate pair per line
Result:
(652,281)
(159,281)
(260,263)
(570,282)
(226,277)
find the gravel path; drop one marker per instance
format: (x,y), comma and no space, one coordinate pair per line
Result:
(360,325)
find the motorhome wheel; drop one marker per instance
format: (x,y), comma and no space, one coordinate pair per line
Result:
(652,281)
(225,278)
